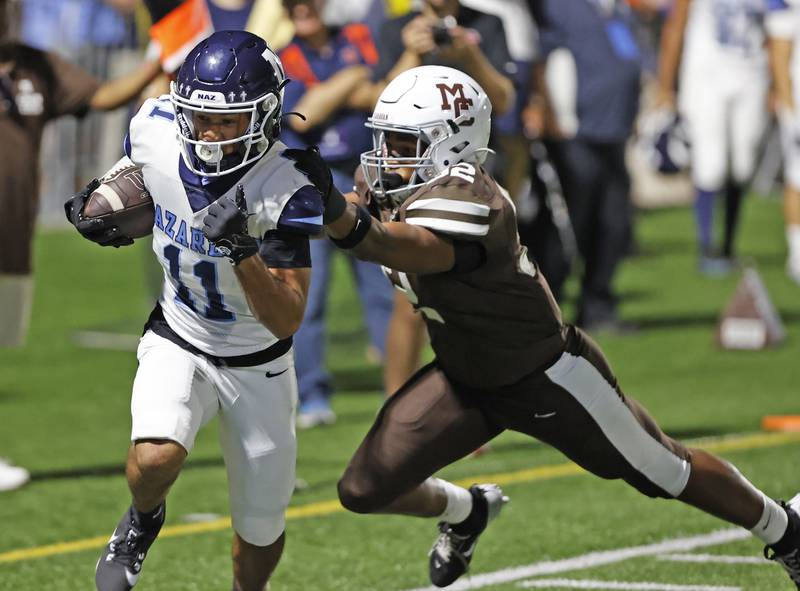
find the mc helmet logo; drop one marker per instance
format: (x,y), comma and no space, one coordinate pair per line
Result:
(456,92)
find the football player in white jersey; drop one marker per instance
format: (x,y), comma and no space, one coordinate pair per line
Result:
(719,48)
(232,225)
(783,26)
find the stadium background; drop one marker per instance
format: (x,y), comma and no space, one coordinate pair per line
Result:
(64,415)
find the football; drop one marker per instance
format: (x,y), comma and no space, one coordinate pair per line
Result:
(123,197)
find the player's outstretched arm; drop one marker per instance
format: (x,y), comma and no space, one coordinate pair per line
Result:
(277,297)
(398,245)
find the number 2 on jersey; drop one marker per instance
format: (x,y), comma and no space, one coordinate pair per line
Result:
(206,271)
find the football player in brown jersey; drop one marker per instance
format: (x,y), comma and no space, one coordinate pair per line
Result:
(504,359)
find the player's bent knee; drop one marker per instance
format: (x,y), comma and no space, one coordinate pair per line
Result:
(159,460)
(359,495)
(259,531)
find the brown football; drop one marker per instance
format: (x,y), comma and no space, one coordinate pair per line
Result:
(123,197)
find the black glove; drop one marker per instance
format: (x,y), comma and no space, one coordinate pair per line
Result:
(311,164)
(99,229)
(225,225)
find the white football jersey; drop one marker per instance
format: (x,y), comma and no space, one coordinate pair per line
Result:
(202,300)
(726,33)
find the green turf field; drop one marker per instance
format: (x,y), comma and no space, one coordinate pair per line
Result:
(64,414)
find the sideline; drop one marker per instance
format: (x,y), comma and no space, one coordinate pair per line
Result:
(323,508)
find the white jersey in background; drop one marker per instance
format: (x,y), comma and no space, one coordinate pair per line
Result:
(723,87)
(202,300)
(726,33)
(783,22)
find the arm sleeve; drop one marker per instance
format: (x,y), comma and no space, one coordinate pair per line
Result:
(285,249)
(73,88)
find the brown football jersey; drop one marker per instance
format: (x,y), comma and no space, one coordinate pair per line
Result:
(494,325)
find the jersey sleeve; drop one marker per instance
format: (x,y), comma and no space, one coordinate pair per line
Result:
(155,118)
(302,213)
(287,246)
(453,206)
(781,21)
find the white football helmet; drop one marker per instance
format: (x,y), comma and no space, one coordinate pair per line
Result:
(446,111)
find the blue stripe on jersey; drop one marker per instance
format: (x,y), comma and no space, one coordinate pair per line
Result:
(126,145)
(777,5)
(303,211)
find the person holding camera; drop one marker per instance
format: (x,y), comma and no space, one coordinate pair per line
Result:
(445,33)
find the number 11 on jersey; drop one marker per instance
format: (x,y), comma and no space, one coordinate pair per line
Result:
(206,271)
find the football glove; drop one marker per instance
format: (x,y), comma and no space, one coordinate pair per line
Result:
(311,164)
(98,229)
(225,225)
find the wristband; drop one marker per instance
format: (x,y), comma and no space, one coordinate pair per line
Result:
(335,206)
(359,231)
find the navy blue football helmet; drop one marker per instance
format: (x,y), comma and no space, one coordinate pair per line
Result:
(228,72)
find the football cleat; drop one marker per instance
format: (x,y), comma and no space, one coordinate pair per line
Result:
(790,559)
(452,552)
(120,565)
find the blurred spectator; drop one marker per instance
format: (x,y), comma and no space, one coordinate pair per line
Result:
(446,33)
(511,166)
(597,64)
(783,25)
(329,72)
(719,50)
(37,87)
(230,15)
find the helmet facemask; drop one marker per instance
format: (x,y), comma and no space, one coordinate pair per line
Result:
(385,166)
(206,158)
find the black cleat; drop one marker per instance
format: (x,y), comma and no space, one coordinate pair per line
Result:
(790,559)
(452,552)
(120,564)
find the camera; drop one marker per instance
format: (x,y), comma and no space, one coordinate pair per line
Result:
(441,35)
(441,31)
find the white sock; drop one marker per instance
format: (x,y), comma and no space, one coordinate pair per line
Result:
(773,523)
(16,295)
(793,241)
(459,502)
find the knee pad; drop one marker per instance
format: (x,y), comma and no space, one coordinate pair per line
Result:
(259,531)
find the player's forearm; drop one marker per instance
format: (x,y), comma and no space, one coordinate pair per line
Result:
(672,46)
(322,100)
(117,92)
(397,245)
(275,303)
(780,51)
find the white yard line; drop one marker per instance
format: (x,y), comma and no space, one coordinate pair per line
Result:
(716,558)
(592,559)
(643,586)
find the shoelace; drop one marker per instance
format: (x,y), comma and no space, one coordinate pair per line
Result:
(128,552)
(447,541)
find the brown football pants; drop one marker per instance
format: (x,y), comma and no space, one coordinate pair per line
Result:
(575,406)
